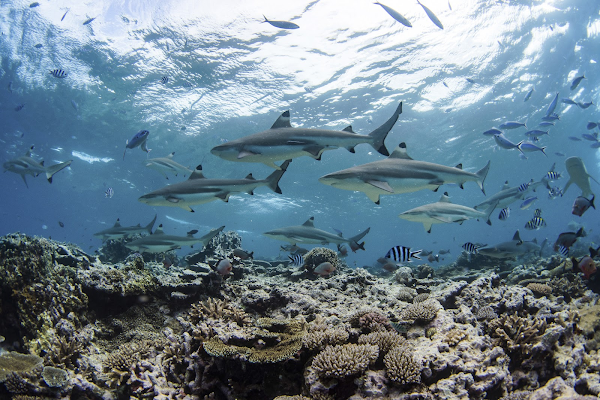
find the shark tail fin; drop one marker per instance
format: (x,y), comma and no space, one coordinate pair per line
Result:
(359,236)
(51,170)
(151,225)
(273,179)
(378,135)
(490,210)
(481,174)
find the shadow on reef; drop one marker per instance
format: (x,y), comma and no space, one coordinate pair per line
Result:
(76,327)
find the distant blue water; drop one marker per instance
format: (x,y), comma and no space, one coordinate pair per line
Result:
(231,75)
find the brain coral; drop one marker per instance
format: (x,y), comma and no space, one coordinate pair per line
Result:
(370,321)
(539,288)
(401,367)
(424,311)
(344,360)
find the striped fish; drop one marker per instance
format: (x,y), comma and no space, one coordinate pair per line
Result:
(402,254)
(297,260)
(164,80)
(109,193)
(58,73)
(563,250)
(553,175)
(535,223)
(504,214)
(524,187)
(537,212)
(471,247)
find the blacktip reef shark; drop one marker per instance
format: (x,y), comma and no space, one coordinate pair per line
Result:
(119,232)
(25,165)
(307,233)
(199,190)
(444,211)
(508,195)
(578,175)
(511,249)
(282,142)
(166,165)
(399,173)
(159,242)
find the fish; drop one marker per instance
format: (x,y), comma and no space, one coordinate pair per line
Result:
(75,105)
(591,125)
(492,132)
(109,193)
(283,142)
(243,255)
(431,16)
(324,269)
(294,249)
(447,251)
(471,247)
(528,95)
(585,105)
(507,195)
(281,24)
(564,251)
(64,15)
(536,133)
(552,175)
(159,242)
(512,125)
(396,15)
(88,21)
(224,267)
(200,190)
(139,139)
(527,202)
(34,4)
(544,124)
(9,87)
(402,254)
(537,212)
(399,173)
(576,82)
(164,80)
(58,73)
(505,143)
(25,165)
(297,260)
(524,186)
(444,211)
(574,138)
(445,84)
(342,250)
(552,106)
(586,264)
(426,252)
(592,138)
(578,175)
(559,153)
(567,239)
(20,107)
(307,233)
(568,101)
(119,232)
(582,204)
(510,249)
(432,258)
(38,46)
(504,214)
(166,165)
(549,118)
(530,147)
(61,224)
(554,192)
(449,6)
(535,223)
(595,145)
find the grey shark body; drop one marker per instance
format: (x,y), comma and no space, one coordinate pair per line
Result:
(119,232)
(282,142)
(166,165)
(578,175)
(511,249)
(159,242)
(399,173)
(25,165)
(507,195)
(444,211)
(199,190)
(307,233)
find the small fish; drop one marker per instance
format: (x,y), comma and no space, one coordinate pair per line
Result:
(10,86)
(595,145)
(224,267)
(445,84)
(139,139)
(593,137)
(549,118)
(243,255)
(582,204)
(554,192)
(537,212)
(470,80)
(64,15)
(545,124)
(577,81)
(552,175)
(552,106)
(390,266)
(402,254)
(109,193)
(535,223)
(297,260)
(567,239)
(471,247)
(61,224)
(356,246)
(585,105)
(591,125)
(568,101)
(574,138)
(324,269)
(431,16)
(504,214)
(34,4)
(432,258)
(88,21)
(492,132)
(396,15)
(449,6)
(586,265)
(19,107)
(523,187)
(167,262)
(528,95)
(281,24)
(563,250)
(503,142)
(512,125)
(38,46)
(342,250)
(536,133)
(75,105)
(164,80)
(560,154)
(527,203)
(58,73)
(530,147)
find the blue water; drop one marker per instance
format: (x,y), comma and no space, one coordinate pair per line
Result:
(231,75)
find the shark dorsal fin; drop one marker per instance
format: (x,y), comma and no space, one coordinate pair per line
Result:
(28,154)
(42,163)
(171,155)
(310,222)
(197,174)
(517,237)
(445,198)
(505,186)
(348,129)
(159,230)
(459,166)
(117,224)
(283,121)
(249,176)
(553,166)
(400,152)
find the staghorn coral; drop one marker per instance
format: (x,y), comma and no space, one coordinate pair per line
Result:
(401,367)
(540,288)
(421,297)
(570,286)
(217,309)
(63,352)
(320,335)
(385,340)
(421,312)
(517,335)
(344,360)
(319,255)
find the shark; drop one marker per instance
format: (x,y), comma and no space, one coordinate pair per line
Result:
(159,242)
(200,190)
(508,195)
(119,232)
(399,173)
(307,233)
(283,142)
(511,249)
(444,211)
(166,165)
(25,165)
(578,175)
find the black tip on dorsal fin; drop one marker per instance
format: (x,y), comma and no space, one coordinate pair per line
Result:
(199,167)
(249,176)
(286,114)
(445,193)
(459,166)
(348,129)
(402,145)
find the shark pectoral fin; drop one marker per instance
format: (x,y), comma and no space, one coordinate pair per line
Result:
(381,185)
(245,153)
(223,196)
(427,226)
(351,149)
(314,151)
(373,197)
(24,180)
(173,199)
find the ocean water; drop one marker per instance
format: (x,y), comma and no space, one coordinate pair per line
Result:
(231,75)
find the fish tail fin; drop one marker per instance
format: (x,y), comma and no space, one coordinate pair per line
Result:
(594,252)
(489,212)
(273,179)
(359,236)
(416,254)
(151,224)
(481,174)
(378,135)
(51,170)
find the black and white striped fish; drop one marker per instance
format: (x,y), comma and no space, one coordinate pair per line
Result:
(297,260)
(471,247)
(402,254)
(524,187)
(58,73)
(537,212)
(553,175)
(504,214)
(109,193)
(535,223)
(164,80)
(563,250)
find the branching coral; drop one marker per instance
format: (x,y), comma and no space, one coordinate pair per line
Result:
(217,309)
(454,336)
(385,340)
(370,321)
(344,360)
(486,313)
(540,288)
(424,311)
(401,367)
